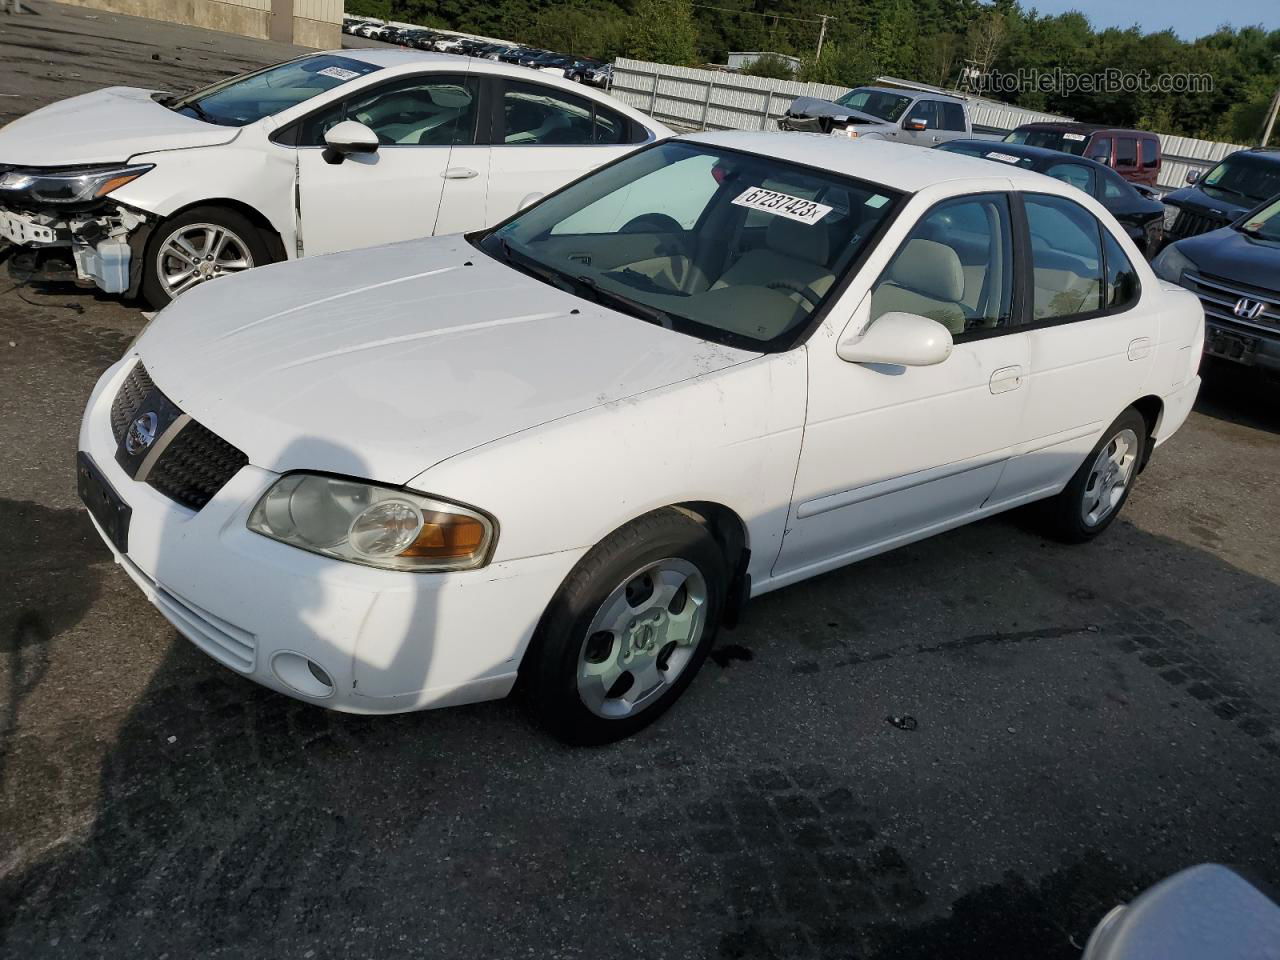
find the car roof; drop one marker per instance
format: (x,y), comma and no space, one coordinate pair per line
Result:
(1021,150)
(906,92)
(1075,126)
(899,166)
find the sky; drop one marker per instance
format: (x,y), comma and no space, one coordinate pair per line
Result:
(1188,18)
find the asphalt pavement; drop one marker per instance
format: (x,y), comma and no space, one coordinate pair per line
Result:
(968,748)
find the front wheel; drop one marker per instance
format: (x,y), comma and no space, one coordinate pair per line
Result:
(197,246)
(628,630)
(1098,490)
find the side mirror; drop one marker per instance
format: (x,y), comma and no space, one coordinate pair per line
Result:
(348,137)
(916,124)
(905,339)
(1193,176)
(529,200)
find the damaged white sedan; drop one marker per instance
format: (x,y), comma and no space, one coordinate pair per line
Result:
(139,191)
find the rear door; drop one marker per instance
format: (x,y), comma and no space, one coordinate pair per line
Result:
(1127,157)
(545,137)
(394,193)
(1149,160)
(1091,337)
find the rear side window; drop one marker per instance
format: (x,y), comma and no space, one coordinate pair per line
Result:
(534,114)
(610,127)
(952,116)
(1150,153)
(1122,279)
(1066,258)
(1076,174)
(1126,152)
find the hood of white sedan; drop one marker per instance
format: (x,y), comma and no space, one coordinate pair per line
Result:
(105,126)
(380,363)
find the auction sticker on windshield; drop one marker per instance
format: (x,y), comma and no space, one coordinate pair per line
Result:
(338,73)
(782,205)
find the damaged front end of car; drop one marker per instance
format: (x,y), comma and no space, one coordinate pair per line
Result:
(64,225)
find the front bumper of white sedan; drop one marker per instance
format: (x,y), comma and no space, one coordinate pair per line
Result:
(385,641)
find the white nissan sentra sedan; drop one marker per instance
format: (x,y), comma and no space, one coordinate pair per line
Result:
(566,449)
(137,190)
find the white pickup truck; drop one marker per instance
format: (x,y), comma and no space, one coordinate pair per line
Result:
(923,118)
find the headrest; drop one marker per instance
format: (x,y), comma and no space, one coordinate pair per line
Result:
(803,241)
(929,268)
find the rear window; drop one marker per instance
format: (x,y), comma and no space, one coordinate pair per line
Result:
(1150,153)
(1050,140)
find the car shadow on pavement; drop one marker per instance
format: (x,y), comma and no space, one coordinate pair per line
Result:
(772,814)
(1242,395)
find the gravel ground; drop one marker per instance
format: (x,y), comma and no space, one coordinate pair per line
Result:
(1086,719)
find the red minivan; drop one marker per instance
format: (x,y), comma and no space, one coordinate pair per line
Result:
(1134,154)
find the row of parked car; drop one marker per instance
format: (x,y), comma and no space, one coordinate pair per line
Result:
(1219,236)
(579,69)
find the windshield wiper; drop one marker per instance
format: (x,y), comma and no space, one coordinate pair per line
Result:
(199,111)
(626,304)
(1222,189)
(534,268)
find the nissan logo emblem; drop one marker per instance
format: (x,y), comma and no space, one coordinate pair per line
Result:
(141,434)
(1248,309)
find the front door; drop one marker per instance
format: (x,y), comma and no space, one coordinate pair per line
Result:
(394,193)
(894,453)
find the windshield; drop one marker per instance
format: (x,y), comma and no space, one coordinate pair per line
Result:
(731,247)
(987,151)
(1265,223)
(1243,178)
(877,103)
(1050,140)
(249,97)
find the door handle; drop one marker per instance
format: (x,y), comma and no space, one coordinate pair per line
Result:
(1139,348)
(1006,379)
(459,173)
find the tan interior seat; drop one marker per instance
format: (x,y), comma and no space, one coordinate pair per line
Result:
(926,278)
(793,252)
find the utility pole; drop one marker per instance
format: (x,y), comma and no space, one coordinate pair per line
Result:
(822,33)
(1271,116)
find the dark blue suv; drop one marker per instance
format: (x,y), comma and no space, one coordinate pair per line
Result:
(1228,191)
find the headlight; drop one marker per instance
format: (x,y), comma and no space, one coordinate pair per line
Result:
(1170,214)
(70,185)
(1171,264)
(378,526)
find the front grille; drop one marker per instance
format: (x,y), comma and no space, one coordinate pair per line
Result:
(195,465)
(1188,224)
(1219,298)
(132,392)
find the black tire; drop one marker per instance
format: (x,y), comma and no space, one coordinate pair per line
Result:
(153,288)
(1063,516)
(549,672)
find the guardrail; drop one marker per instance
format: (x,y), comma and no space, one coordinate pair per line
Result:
(689,98)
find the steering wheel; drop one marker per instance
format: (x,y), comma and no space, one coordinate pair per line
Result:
(804,291)
(652,223)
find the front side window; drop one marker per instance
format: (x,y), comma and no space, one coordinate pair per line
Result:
(1066,258)
(1115,187)
(433,111)
(1100,150)
(532,113)
(877,103)
(1264,224)
(924,112)
(956,267)
(727,246)
(1076,174)
(248,98)
(1150,153)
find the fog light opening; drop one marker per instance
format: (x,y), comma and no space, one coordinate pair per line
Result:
(302,674)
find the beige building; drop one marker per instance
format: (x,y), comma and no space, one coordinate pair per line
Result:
(308,23)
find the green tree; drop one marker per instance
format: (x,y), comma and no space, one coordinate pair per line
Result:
(770,65)
(663,31)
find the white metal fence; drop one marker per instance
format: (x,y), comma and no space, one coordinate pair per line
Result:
(688,98)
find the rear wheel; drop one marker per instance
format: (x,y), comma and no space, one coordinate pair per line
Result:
(628,630)
(197,246)
(1099,489)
